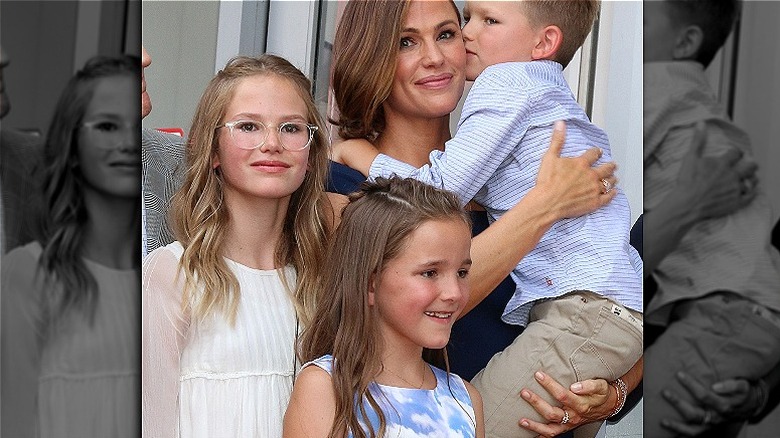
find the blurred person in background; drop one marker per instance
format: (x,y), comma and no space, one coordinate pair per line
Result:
(70,303)
(20,176)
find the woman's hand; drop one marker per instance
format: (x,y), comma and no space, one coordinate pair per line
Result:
(585,402)
(716,186)
(572,186)
(728,401)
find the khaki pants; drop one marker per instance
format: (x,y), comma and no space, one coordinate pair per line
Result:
(578,336)
(713,338)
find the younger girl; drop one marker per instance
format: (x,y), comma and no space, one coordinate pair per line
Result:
(219,312)
(407,284)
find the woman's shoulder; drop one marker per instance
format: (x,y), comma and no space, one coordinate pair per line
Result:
(343,179)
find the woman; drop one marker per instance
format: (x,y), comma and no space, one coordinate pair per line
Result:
(222,304)
(70,300)
(398,73)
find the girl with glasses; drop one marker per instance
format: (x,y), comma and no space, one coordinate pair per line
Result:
(70,305)
(222,305)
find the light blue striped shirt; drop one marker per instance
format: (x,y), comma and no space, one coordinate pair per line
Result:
(494,158)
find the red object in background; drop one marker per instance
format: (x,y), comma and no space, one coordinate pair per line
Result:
(174,131)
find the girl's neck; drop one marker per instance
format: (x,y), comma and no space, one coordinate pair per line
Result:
(254,229)
(412,139)
(113,229)
(406,369)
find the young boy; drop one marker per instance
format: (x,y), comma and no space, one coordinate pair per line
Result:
(719,290)
(579,292)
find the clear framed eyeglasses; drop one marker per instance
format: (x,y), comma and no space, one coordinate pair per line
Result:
(250,134)
(111,133)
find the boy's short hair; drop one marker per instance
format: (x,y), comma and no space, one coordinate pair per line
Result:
(575,18)
(715,18)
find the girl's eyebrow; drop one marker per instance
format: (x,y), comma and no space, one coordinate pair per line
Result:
(437,27)
(255,116)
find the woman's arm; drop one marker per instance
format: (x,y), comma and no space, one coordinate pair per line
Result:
(312,405)
(163,337)
(20,331)
(565,187)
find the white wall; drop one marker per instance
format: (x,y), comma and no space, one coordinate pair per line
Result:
(181,38)
(617,97)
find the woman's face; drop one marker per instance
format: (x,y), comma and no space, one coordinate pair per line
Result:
(269,171)
(429,75)
(109,142)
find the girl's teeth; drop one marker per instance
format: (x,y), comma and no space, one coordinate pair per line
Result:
(440,315)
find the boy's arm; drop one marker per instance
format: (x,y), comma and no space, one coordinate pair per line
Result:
(495,119)
(356,153)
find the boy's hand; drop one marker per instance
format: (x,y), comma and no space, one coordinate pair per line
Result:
(356,153)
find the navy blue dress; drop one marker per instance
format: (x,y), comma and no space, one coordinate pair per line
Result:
(478,335)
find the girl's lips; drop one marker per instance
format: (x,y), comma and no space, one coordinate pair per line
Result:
(435,81)
(270,166)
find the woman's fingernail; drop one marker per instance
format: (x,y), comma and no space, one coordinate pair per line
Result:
(524,423)
(525,394)
(558,125)
(576,387)
(539,376)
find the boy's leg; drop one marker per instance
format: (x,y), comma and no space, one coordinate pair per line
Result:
(712,338)
(571,338)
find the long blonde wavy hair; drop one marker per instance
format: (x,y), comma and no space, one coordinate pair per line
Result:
(374,229)
(200,219)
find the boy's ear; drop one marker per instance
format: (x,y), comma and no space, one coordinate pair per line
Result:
(550,40)
(688,43)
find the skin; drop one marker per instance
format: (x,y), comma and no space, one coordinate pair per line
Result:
(111,176)
(146,101)
(659,32)
(429,275)
(108,149)
(490,24)
(259,182)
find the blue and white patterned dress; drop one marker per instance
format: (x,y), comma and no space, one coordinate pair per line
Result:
(444,411)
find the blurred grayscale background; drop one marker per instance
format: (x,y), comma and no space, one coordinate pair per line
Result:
(70,301)
(743,79)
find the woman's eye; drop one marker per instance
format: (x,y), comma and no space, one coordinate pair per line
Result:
(463,273)
(406,42)
(466,19)
(429,274)
(491,21)
(447,34)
